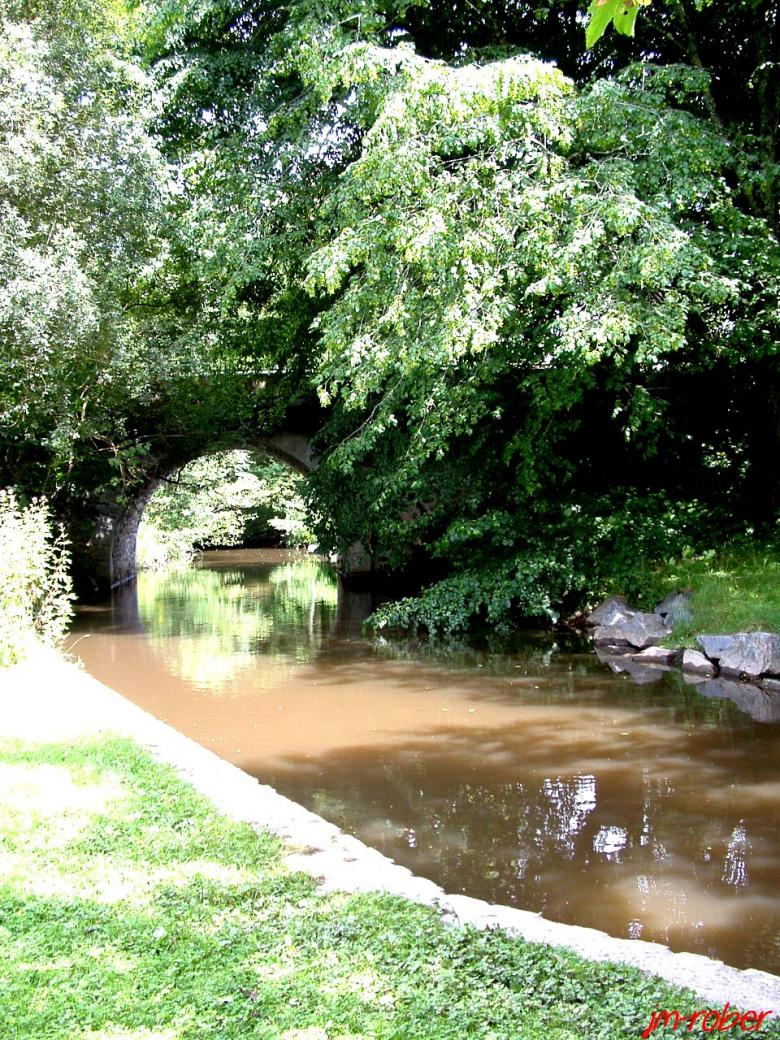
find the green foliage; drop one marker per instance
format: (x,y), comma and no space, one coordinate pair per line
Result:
(505,276)
(81,201)
(495,223)
(35,589)
(559,561)
(515,283)
(215,500)
(515,262)
(90,261)
(622,14)
(531,586)
(152,885)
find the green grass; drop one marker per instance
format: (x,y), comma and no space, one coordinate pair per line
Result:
(736,589)
(131,910)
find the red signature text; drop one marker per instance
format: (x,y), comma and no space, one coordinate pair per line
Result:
(710,1021)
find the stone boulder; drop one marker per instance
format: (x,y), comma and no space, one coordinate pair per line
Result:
(696,663)
(745,653)
(633,628)
(675,608)
(606,612)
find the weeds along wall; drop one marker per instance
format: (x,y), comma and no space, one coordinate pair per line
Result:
(35,586)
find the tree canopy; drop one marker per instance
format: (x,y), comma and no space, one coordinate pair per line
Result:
(534,284)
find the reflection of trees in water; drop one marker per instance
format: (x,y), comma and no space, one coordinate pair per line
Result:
(735,868)
(212,624)
(568,803)
(498,841)
(498,656)
(507,842)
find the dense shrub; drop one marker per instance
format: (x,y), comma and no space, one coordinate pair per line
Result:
(560,561)
(35,587)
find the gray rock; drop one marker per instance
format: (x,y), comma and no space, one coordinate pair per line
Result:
(606,612)
(655,655)
(693,661)
(675,608)
(755,702)
(715,646)
(605,638)
(771,685)
(745,653)
(639,630)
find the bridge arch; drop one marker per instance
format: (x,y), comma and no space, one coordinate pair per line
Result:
(120,567)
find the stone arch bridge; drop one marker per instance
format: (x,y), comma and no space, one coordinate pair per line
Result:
(105,558)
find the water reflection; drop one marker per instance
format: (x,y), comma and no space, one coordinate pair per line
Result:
(211,623)
(735,869)
(536,777)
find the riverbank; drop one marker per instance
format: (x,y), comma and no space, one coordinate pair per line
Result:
(715,617)
(742,666)
(136,907)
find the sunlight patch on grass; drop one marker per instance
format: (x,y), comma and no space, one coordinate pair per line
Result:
(131,1034)
(736,589)
(102,880)
(36,795)
(40,967)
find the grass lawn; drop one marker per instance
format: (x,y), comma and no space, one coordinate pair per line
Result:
(131,910)
(735,589)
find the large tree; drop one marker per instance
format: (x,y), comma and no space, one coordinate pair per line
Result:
(539,299)
(91,330)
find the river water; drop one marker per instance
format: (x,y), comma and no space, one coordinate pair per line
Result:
(536,778)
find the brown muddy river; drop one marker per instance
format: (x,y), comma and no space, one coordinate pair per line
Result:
(537,778)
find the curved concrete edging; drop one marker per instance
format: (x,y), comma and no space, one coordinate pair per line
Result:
(337,860)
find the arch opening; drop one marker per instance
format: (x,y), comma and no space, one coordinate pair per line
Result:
(223,499)
(109,555)
(289,453)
